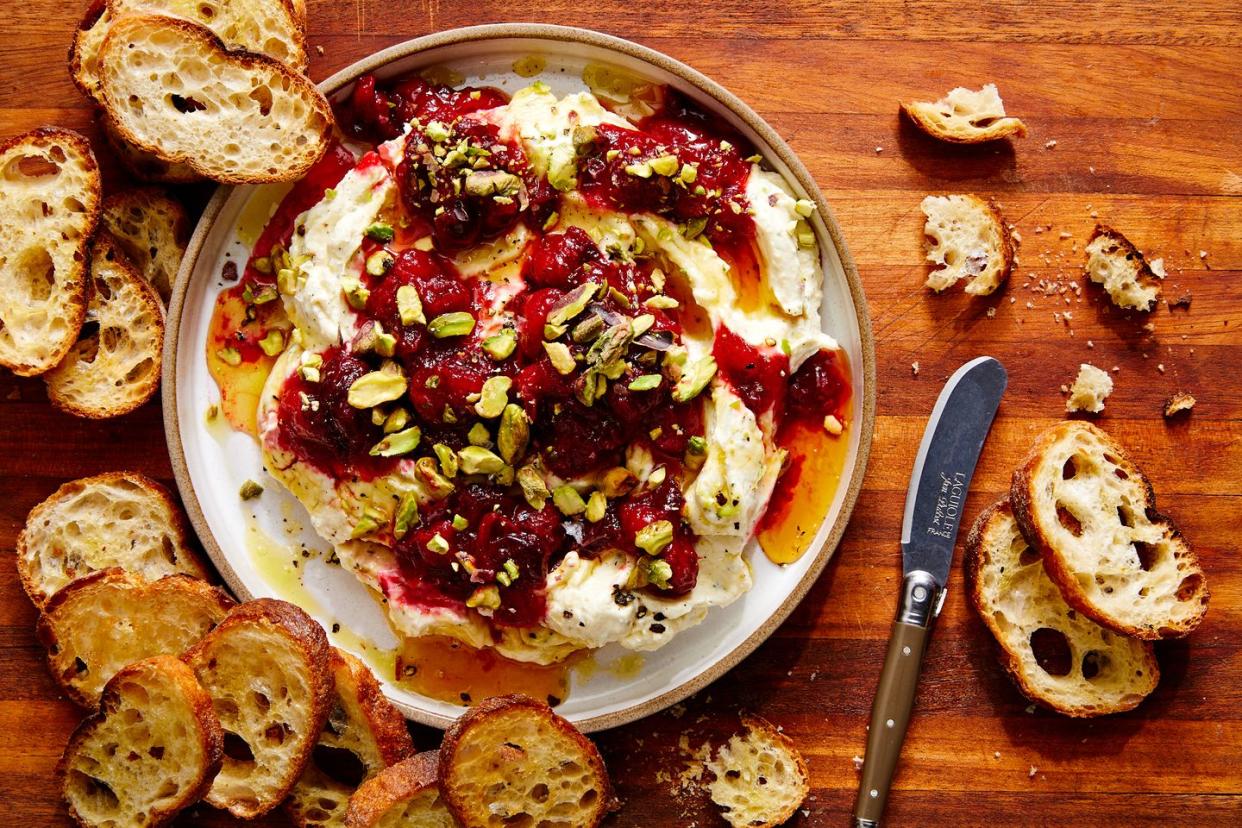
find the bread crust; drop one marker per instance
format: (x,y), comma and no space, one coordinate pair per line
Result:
(387,724)
(1008,128)
(976,285)
(176,526)
(209,736)
(207,40)
(1022,496)
(461,807)
(1146,277)
(75,283)
(45,627)
(757,724)
(143,165)
(975,559)
(397,783)
(312,643)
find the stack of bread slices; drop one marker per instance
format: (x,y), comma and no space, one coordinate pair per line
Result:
(1076,574)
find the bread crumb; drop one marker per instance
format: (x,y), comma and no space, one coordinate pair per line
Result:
(1157,267)
(1178,403)
(879,149)
(319,50)
(858,763)
(1090,344)
(1202,254)
(833,426)
(996,755)
(1030,709)
(1050,144)
(914,367)
(1066,235)
(1091,387)
(1160,367)
(1031,773)
(991,313)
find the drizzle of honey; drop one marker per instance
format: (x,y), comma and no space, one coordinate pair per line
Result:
(240,385)
(448,670)
(747,279)
(258,211)
(804,492)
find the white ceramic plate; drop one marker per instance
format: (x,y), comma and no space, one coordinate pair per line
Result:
(251,541)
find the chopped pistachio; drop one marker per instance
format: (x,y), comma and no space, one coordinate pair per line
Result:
(438,485)
(263,264)
(665,165)
(611,345)
(562,359)
(662,302)
(495,396)
(574,303)
(694,227)
(596,507)
(612,154)
(287,281)
(833,426)
(425,243)
(396,421)
(309,369)
(355,294)
(378,415)
(588,329)
(694,378)
(398,443)
(501,345)
(375,388)
(804,207)
(641,324)
(485,597)
(380,232)
(478,460)
(447,458)
(754,159)
(484,183)
(697,445)
(410,306)
(613,370)
(806,237)
(438,544)
(407,516)
(457,323)
(641,169)
(568,501)
(379,262)
(533,488)
(551,220)
(366,524)
(250,490)
(659,572)
(437,131)
(265,294)
(514,433)
(460,523)
(384,343)
(511,569)
(212,412)
(617,482)
(448,416)
(689,173)
(551,332)
(273,343)
(655,537)
(619,297)
(230,356)
(647,382)
(656,477)
(479,435)
(594,385)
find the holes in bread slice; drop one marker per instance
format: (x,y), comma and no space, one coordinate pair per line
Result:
(93,793)
(340,765)
(1095,664)
(1148,554)
(1190,586)
(34,275)
(1069,520)
(35,166)
(186,104)
(236,748)
(1052,651)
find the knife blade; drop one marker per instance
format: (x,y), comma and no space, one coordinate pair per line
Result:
(943,468)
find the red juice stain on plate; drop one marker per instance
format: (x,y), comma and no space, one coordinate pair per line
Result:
(448,670)
(236,359)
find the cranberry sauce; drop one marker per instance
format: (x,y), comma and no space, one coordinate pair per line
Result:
(818,388)
(756,375)
(376,112)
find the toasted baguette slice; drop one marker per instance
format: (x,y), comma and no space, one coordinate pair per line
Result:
(406,795)
(151,750)
(236,118)
(965,117)
(967,238)
(1091,387)
(365,733)
(1115,263)
(1057,656)
(505,748)
(1091,514)
(98,624)
(268,670)
(761,779)
(114,367)
(144,166)
(116,519)
(151,229)
(265,27)
(49,205)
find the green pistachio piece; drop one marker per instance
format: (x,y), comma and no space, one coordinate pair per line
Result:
(250,490)
(376,388)
(568,501)
(611,345)
(478,460)
(514,432)
(662,302)
(263,264)
(533,488)
(483,183)
(697,445)
(641,325)
(647,382)
(460,523)
(438,544)
(588,329)
(479,435)
(618,297)
(457,323)
(655,537)
(501,345)
(287,281)
(310,365)
(273,343)
(804,207)
(659,572)
(437,131)
(407,516)
(410,306)
(398,443)
(230,356)
(355,294)
(657,477)
(694,227)
(485,597)
(593,386)
(447,458)
(511,569)
(665,165)
(562,359)
(641,169)
(378,415)
(384,343)
(438,485)
(380,262)
(371,521)
(617,482)
(694,378)
(495,396)
(396,421)
(263,295)
(596,507)
(380,232)
(551,332)
(689,173)
(573,303)
(806,237)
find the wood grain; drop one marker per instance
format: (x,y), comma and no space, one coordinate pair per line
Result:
(1144,105)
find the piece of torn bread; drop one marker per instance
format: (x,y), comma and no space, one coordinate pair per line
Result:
(114,367)
(98,624)
(268,669)
(967,239)
(151,750)
(49,205)
(1057,656)
(406,795)
(965,116)
(1091,514)
(363,735)
(1091,387)
(760,777)
(266,27)
(1117,265)
(236,117)
(151,228)
(115,519)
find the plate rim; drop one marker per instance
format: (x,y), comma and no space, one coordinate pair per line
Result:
(723,98)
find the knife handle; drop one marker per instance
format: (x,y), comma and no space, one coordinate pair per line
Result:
(894,697)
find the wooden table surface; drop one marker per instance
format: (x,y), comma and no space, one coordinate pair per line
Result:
(1135,116)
